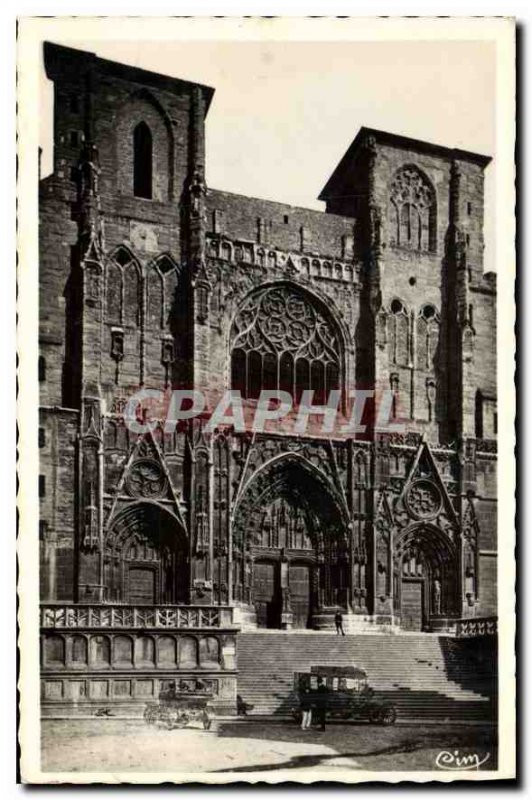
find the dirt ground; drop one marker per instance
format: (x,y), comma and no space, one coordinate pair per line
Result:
(253,747)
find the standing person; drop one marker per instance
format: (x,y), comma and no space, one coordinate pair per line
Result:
(322,703)
(305,703)
(339,622)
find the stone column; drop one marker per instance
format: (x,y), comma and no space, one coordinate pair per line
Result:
(286,611)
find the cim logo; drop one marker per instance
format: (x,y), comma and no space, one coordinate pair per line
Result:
(456,761)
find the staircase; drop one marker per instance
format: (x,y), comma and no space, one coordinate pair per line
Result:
(427,677)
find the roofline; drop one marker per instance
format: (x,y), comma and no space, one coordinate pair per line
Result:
(158,80)
(406,142)
(280,203)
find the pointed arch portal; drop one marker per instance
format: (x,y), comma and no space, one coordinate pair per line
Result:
(146,557)
(290,545)
(425,577)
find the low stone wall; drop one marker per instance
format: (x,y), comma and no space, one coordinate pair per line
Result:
(112,660)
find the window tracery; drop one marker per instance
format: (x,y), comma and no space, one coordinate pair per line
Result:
(123,288)
(281,340)
(412,210)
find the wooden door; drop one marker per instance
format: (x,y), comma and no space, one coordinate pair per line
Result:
(141,586)
(299,584)
(412,605)
(265,594)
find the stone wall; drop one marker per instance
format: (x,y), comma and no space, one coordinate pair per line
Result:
(85,671)
(279,225)
(58,472)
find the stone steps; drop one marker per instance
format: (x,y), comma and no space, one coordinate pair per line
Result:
(425,677)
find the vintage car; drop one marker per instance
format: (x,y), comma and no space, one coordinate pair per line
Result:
(180,704)
(349,695)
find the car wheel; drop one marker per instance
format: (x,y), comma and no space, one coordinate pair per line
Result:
(388,715)
(375,715)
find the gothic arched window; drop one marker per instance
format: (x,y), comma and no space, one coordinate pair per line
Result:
(428,329)
(412,213)
(142,161)
(123,292)
(281,339)
(398,333)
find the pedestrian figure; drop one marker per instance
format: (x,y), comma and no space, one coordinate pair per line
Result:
(339,622)
(322,703)
(305,702)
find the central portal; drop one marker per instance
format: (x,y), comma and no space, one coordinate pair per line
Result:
(283,558)
(271,598)
(295,560)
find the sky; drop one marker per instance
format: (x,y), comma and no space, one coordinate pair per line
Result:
(284,113)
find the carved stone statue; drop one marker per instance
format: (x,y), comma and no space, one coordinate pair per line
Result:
(436,593)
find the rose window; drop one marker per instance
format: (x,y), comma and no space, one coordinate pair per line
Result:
(146,479)
(280,339)
(424,499)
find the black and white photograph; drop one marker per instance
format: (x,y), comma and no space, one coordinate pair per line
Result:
(266,339)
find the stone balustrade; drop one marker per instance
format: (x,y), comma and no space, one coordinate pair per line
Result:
(112,656)
(118,616)
(244,252)
(476,626)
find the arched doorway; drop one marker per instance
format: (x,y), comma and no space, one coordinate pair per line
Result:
(290,549)
(425,577)
(283,562)
(146,557)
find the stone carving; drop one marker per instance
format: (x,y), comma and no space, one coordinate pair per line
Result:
(284,525)
(264,450)
(146,479)
(469,523)
(410,439)
(253,254)
(282,319)
(436,596)
(120,616)
(92,283)
(143,237)
(466,628)
(423,499)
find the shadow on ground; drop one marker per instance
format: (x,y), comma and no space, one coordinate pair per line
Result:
(365,743)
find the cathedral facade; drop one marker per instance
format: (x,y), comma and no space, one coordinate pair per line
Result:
(152,280)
